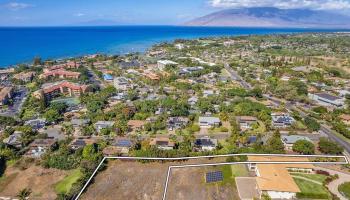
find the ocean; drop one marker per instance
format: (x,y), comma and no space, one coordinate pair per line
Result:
(22,44)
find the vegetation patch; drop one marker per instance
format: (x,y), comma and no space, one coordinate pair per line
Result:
(310,190)
(239,171)
(316,177)
(344,189)
(65,185)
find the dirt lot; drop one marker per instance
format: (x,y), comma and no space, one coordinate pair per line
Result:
(41,181)
(137,181)
(128,180)
(189,183)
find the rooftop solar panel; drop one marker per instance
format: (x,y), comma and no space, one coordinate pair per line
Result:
(212,177)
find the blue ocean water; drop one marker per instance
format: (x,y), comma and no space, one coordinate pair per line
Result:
(19,45)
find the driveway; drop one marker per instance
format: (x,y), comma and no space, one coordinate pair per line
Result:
(247,188)
(333,186)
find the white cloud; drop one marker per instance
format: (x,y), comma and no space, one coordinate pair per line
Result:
(79,14)
(17,6)
(283,4)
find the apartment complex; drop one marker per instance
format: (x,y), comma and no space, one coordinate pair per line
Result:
(63,87)
(60,73)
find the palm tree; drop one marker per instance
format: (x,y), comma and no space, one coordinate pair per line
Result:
(24,194)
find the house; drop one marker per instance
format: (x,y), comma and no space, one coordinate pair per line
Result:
(136,125)
(80,143)
(120,147)
(6,94)
(208,93)
(25,76)
(122,83)
(63,87)
(163,63)
(274,179)
(177,122)
(14,139)
(246,122)
(39,146)
(127,65)
(107,77)
(205,144)
(55,133)
(192,100)
(79,123)
(103,125)
(289,140)
(208,122)
(345,119)
(190,70)
(162,143)
(36,124)
(325,99)
(282,120)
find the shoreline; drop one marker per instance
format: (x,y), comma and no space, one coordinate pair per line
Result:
(142,45)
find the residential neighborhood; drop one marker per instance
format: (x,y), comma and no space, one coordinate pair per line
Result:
(268,94)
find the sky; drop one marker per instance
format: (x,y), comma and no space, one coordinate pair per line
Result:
(136,12)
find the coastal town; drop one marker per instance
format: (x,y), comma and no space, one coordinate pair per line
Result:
(285,94)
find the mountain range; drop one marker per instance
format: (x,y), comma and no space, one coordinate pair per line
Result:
(273,17)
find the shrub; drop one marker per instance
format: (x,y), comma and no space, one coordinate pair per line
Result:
(322,172)
(223,129)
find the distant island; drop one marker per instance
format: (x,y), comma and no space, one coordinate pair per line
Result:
(273,17)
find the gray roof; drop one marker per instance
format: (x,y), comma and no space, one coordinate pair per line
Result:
(328,96)
(209,119)
(291,139)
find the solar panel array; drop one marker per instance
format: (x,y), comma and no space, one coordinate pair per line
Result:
(214,177)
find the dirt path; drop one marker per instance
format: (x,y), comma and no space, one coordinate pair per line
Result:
(333,186)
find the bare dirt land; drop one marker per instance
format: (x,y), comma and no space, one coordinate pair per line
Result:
(145,181)
(41,182)
(128,180)
(189,183)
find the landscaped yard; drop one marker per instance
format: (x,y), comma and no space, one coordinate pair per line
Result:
(310,190)
(316,177)
(239,171)
(345,189)
(65,185)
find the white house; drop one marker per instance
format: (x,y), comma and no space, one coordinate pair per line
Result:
(208,122)
(325,99)
(103,124)
(281,120)
(163,63)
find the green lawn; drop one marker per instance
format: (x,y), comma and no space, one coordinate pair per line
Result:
(316,177)
(345,189)
(310,190)
(64,185)
(227,173)
(239,170)
(5,180)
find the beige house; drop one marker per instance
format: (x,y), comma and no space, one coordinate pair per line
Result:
(274,179)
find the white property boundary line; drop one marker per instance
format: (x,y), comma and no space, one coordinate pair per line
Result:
(211,164)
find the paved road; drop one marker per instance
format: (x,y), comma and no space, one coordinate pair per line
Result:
(236,77)
(333,186)
(290,106)
(19,98)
